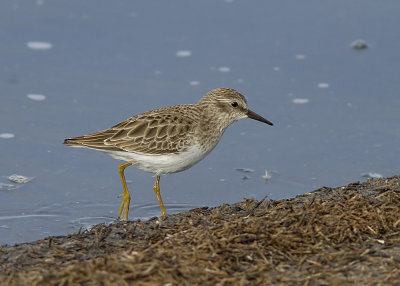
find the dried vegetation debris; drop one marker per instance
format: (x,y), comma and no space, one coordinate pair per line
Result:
(331,236)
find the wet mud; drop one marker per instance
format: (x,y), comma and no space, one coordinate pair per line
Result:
(331,236)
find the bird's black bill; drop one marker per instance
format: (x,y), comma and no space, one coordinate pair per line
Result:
(255,116)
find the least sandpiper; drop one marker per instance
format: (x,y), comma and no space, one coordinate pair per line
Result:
(169,139)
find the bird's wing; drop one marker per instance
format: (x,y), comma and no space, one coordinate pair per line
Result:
(161,131)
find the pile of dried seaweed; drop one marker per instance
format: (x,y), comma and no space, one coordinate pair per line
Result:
(336,236)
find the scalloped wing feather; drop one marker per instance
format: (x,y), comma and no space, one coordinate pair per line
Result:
(161,131)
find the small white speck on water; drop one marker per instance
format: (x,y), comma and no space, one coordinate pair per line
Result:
(19,179)
(39,2)
(240,80)
(36,97)
(194,82)
(266,176)
(359,44)
(222,180)
(39,46)
(276,68)
(323,85)
(300,100)
(300,57)
(224,69)
(6,135)
(228,1)
(157,72)
(183,53)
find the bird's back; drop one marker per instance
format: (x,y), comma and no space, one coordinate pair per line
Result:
(161,131)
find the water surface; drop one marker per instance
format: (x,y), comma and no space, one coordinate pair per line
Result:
(74,67)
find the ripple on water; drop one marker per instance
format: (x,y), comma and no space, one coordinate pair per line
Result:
(183,53)
(300,100)
(7,187)
(224,69)
(6,135)
(39,46)
(36,97)
(323,85)
(300,57)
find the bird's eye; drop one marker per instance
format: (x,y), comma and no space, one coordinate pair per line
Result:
(234,104)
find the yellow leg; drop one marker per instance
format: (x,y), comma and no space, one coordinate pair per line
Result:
(156,189)
(126,196)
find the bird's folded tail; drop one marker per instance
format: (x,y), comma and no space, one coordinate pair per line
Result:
(94,140)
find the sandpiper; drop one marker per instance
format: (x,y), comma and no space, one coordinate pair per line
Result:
(170,139)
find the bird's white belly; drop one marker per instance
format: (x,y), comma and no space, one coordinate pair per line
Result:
(162,164)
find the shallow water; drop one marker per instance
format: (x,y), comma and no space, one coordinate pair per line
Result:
(71,68)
